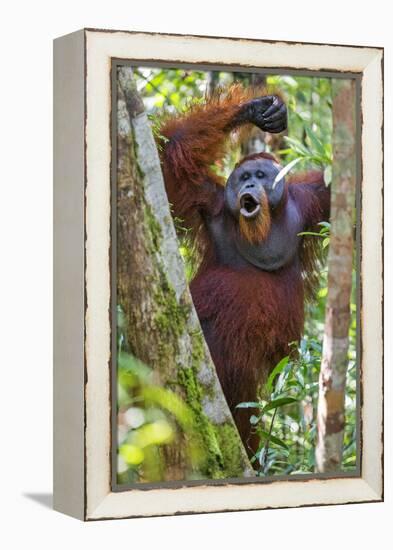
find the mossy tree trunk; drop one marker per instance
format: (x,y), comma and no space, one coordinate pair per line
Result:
(163,329)
(332,382)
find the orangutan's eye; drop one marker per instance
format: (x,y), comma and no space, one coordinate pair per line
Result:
(245,176)
(260,174)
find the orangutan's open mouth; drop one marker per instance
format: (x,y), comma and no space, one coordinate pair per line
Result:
(249,206)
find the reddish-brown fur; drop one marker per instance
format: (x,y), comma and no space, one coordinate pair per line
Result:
(256,230)
(196,141)
(253,314)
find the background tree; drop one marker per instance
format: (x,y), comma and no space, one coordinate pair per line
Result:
(332,381)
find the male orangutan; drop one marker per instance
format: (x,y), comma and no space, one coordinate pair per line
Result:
(256,270)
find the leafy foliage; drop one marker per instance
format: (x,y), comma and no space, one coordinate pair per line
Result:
(286,420)
(150,418)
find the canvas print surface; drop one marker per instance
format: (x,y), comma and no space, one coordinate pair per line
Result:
(234,272)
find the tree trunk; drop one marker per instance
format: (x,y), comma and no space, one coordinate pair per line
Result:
(163,329)
(212,80)
(332,381)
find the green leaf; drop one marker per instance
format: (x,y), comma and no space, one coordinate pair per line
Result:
(277,369)
(248,405)
(280,402)
(325,224)
(131,454)
(299,377)
(350,461)
(297,146)
(129,363)
(282,380)
(313,233)
(322,292)
(254,419)
(316,143)
(274,439)
(292,384)
(171,402)
(261,456)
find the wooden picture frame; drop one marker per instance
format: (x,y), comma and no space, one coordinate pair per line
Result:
(82,258)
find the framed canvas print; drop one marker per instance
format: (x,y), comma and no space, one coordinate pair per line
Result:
(218,274)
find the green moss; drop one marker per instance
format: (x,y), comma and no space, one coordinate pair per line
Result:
(172,315)
(224,456)
(228,442)
(154,231)
(213,460)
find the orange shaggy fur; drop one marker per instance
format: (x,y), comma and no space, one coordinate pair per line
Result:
(257,229)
